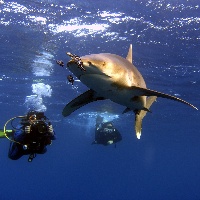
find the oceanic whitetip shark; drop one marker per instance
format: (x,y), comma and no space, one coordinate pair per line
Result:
(113,77)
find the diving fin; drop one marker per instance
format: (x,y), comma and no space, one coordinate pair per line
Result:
(85,98)
(2,134)
(141,114)
(8,133)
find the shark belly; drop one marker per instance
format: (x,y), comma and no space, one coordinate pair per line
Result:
(105,86)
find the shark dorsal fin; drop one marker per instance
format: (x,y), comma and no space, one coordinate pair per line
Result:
(129,55)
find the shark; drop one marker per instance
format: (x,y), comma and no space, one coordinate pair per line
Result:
(110,76)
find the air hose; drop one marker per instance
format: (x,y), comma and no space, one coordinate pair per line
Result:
(7,131)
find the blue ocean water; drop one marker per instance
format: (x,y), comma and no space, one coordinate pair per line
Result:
(165,162)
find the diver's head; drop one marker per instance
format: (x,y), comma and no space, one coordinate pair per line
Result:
(36,123)
(35,115)
(107,125)
(99,119)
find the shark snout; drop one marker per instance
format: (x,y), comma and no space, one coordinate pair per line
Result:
(75,59)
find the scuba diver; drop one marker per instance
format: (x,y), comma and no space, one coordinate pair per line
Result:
(31,136)
(106,133)
(70,79)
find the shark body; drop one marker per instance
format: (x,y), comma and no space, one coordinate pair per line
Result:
(113,77)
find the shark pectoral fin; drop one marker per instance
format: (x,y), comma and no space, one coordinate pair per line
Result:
(139,116)
(147,92)
(85,98)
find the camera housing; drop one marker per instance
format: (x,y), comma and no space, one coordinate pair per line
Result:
(39,127)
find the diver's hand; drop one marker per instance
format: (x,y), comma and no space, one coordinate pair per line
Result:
(50,129)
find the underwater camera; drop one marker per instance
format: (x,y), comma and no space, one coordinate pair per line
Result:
(38,127)
(41,127)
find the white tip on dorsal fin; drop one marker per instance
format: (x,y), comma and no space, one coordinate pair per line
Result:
(129,56)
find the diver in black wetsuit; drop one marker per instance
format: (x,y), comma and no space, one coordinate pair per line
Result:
(31,136)
(106,133)
(70,79)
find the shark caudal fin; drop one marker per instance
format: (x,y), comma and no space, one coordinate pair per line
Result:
(139,116)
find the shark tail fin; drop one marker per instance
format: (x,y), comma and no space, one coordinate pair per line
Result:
(141,114)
